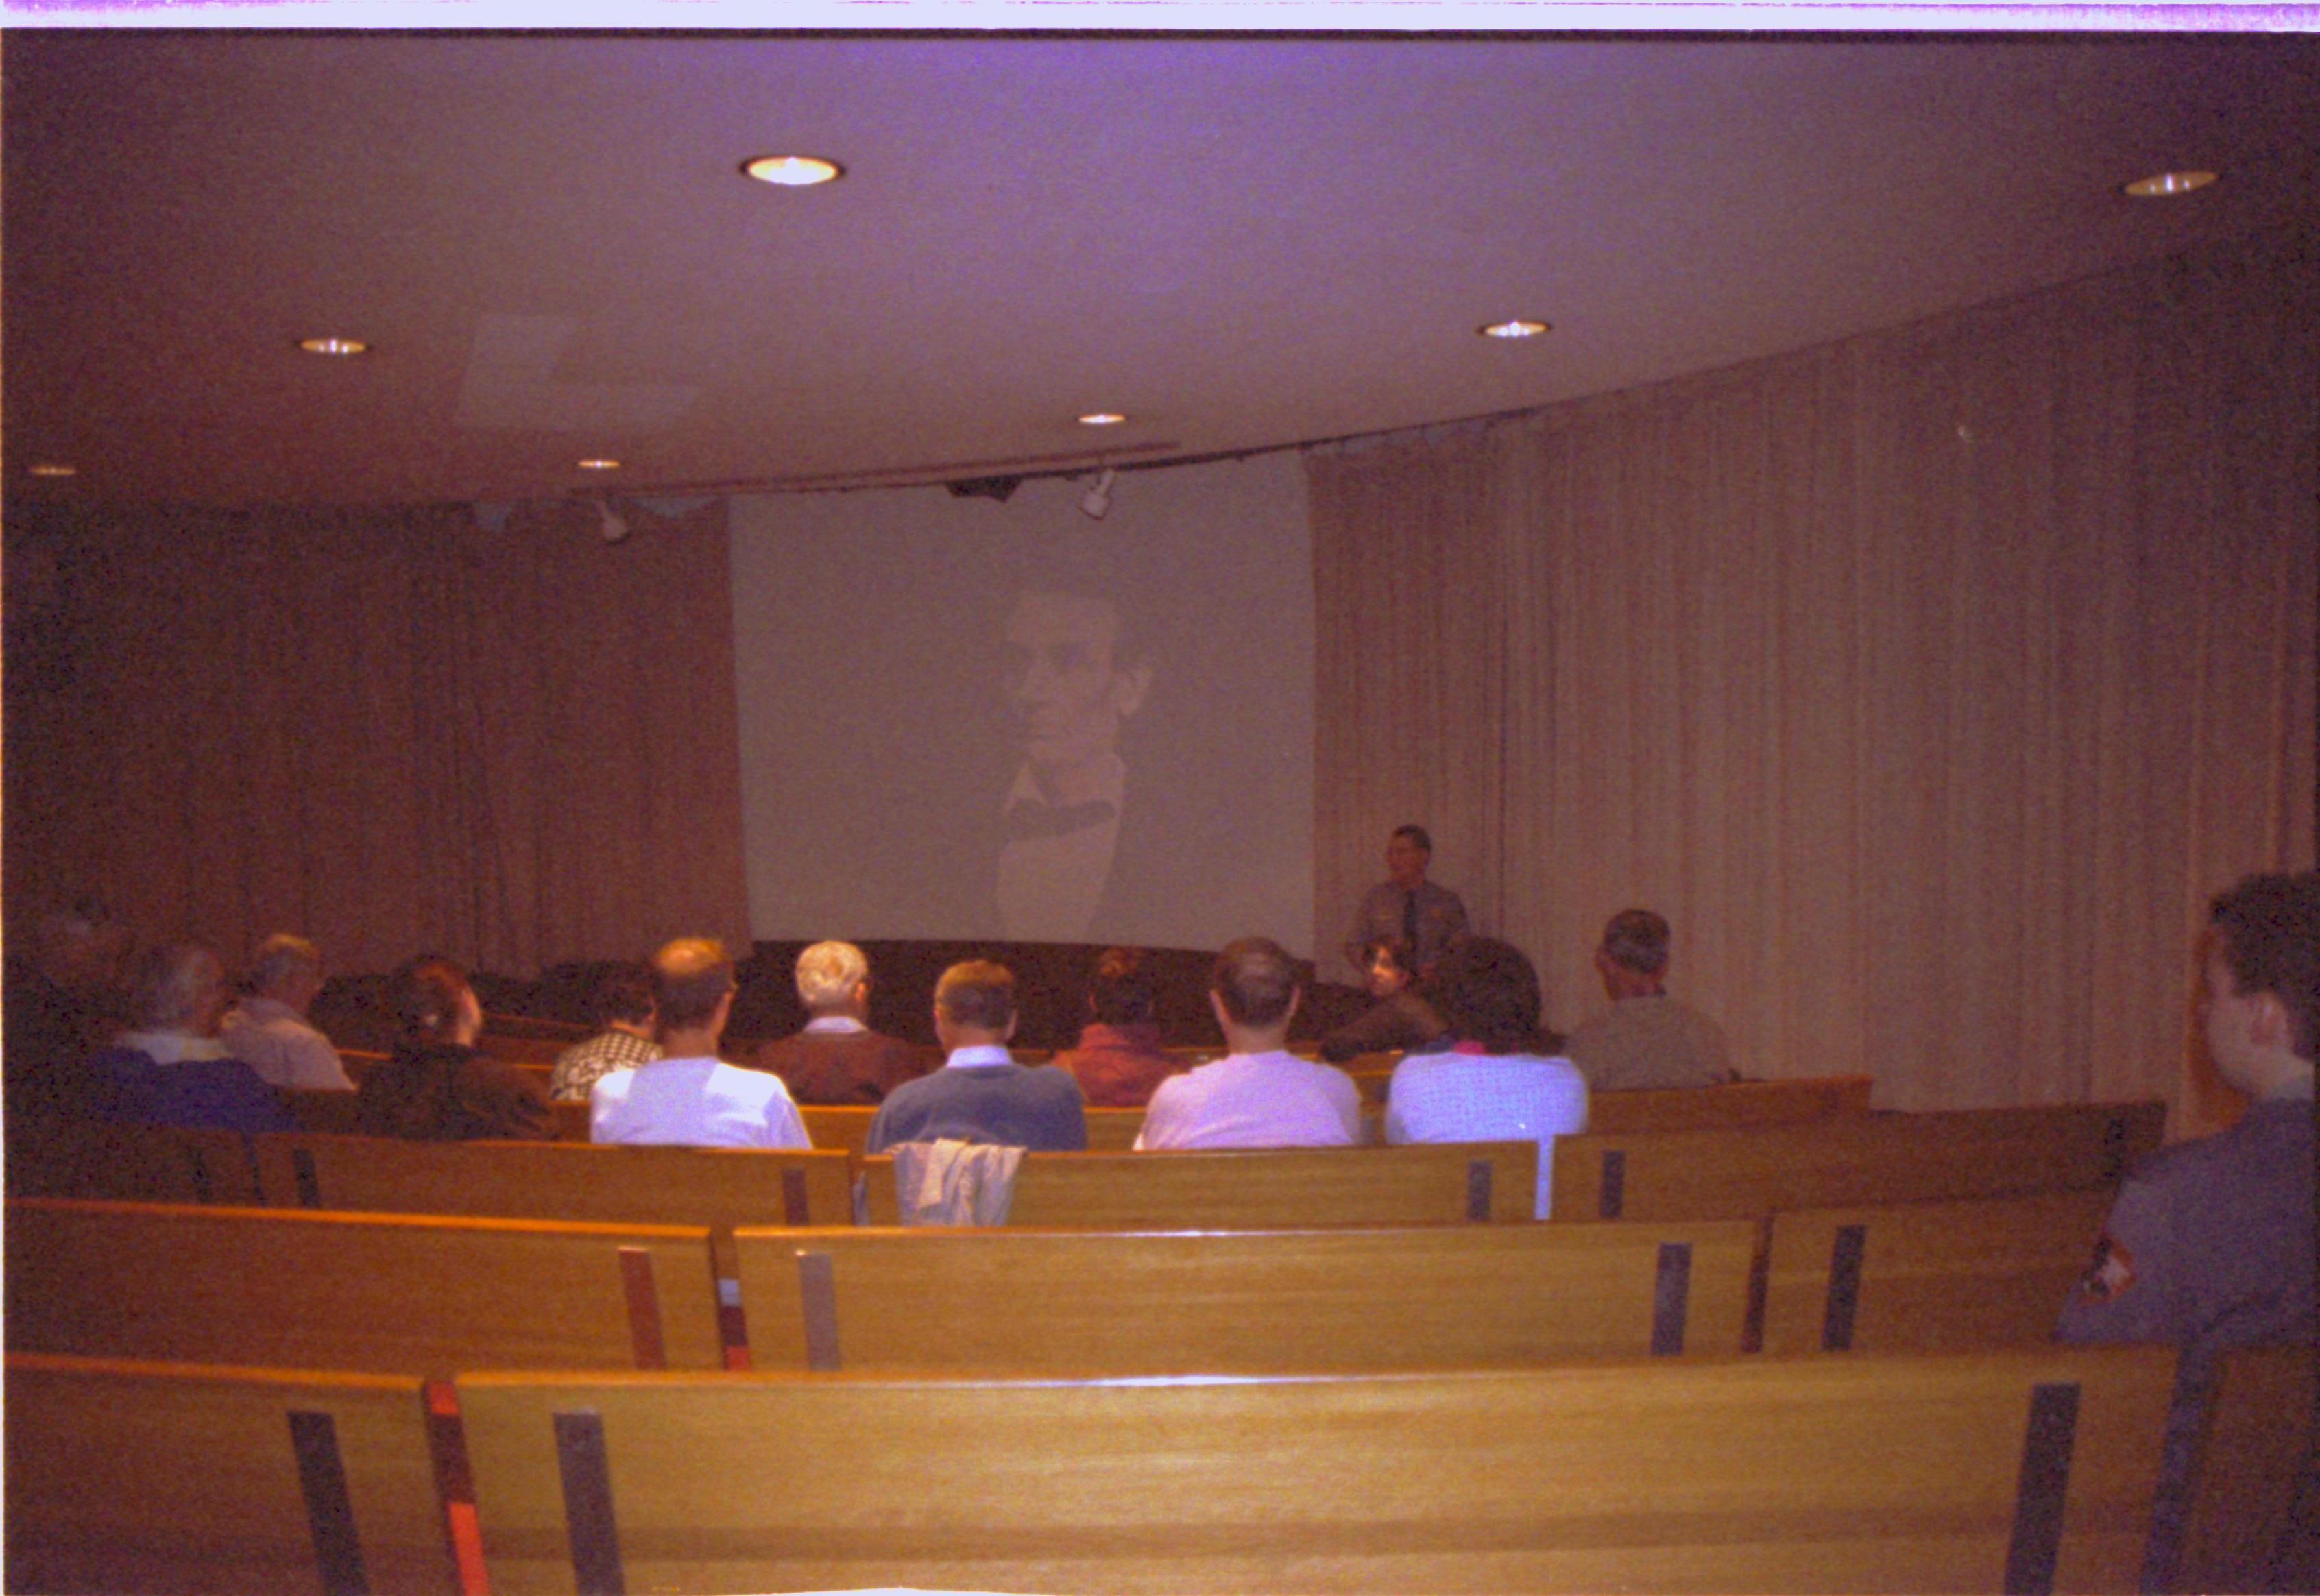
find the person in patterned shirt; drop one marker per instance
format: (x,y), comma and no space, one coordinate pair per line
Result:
(623,1006)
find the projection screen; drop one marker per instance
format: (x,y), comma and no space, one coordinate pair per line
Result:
(962,718)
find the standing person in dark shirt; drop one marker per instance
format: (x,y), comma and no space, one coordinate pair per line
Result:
(1426,919)
(1120,1060)
(436,1087)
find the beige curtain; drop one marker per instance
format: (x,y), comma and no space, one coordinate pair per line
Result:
(1930,682)
(394,731)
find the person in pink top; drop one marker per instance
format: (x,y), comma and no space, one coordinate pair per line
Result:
(1258,1095)
(1119,1062)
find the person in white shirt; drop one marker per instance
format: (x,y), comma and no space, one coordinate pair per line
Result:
(1494,1083)
(269,1031)
(1259,1095)
(688,1098)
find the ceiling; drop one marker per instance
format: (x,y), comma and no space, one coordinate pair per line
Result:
(1237,242)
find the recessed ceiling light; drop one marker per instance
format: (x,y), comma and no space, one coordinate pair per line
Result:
(1102,417)
(1515,328)
(600,464)
(793,171)
(2160,184)
(55,468)
(333,346)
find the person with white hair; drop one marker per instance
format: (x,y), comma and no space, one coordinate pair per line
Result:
(169,1068)
(838,1058)
(268,1029)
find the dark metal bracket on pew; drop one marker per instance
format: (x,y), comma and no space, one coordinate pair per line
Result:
(323,1480)
(2042,1490)
(1846,1254)
(817,1299)
(1670,1297)
(587,1477)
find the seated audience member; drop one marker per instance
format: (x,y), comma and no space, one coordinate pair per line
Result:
(622,1007)
(687,1097)
(63,1002)
(838,1058)
(1258,1095)
(1648,1039)
(2210,1244)
(981,1095)
(436,1087)
(1401,1020)
(1492,1084)
(171,1069)
(1120,1060)
(267,1030)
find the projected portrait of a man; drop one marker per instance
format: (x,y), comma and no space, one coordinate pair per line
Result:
(1075,672)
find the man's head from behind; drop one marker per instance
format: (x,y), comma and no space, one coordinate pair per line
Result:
(693,984)
(1254,984)
(177,989)
(1633,958)
(1073,673)
(834,978)
(974,1005)
(2262,1003)
(287,969)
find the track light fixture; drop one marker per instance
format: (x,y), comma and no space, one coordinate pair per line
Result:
(1096,502)
(1000,488)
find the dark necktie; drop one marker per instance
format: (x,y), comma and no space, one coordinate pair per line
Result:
(1033,818)
(1410,922)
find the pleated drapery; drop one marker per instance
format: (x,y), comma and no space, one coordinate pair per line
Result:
(391,731)
(1930,682)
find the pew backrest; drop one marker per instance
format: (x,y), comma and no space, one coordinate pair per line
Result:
(2021,1470)
(382,1294)
(1742,1102)
(1084,1302)
(131,1163)
(557,1180)
(1967,1272)
(161,1477)
(846,1128)
(1418,1185)
(1850,1159)
(2258,1475)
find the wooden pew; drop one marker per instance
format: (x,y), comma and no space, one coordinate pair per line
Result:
(557,1180)
(131,1163)
(1850,1159)
(2258,1467)
(172,1478)
(382,1294)
(1434,1184)
(1742,1102)
(846,1128)
(1973,1272)
(325,1113)
(2021,1469)
(1014,1300)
